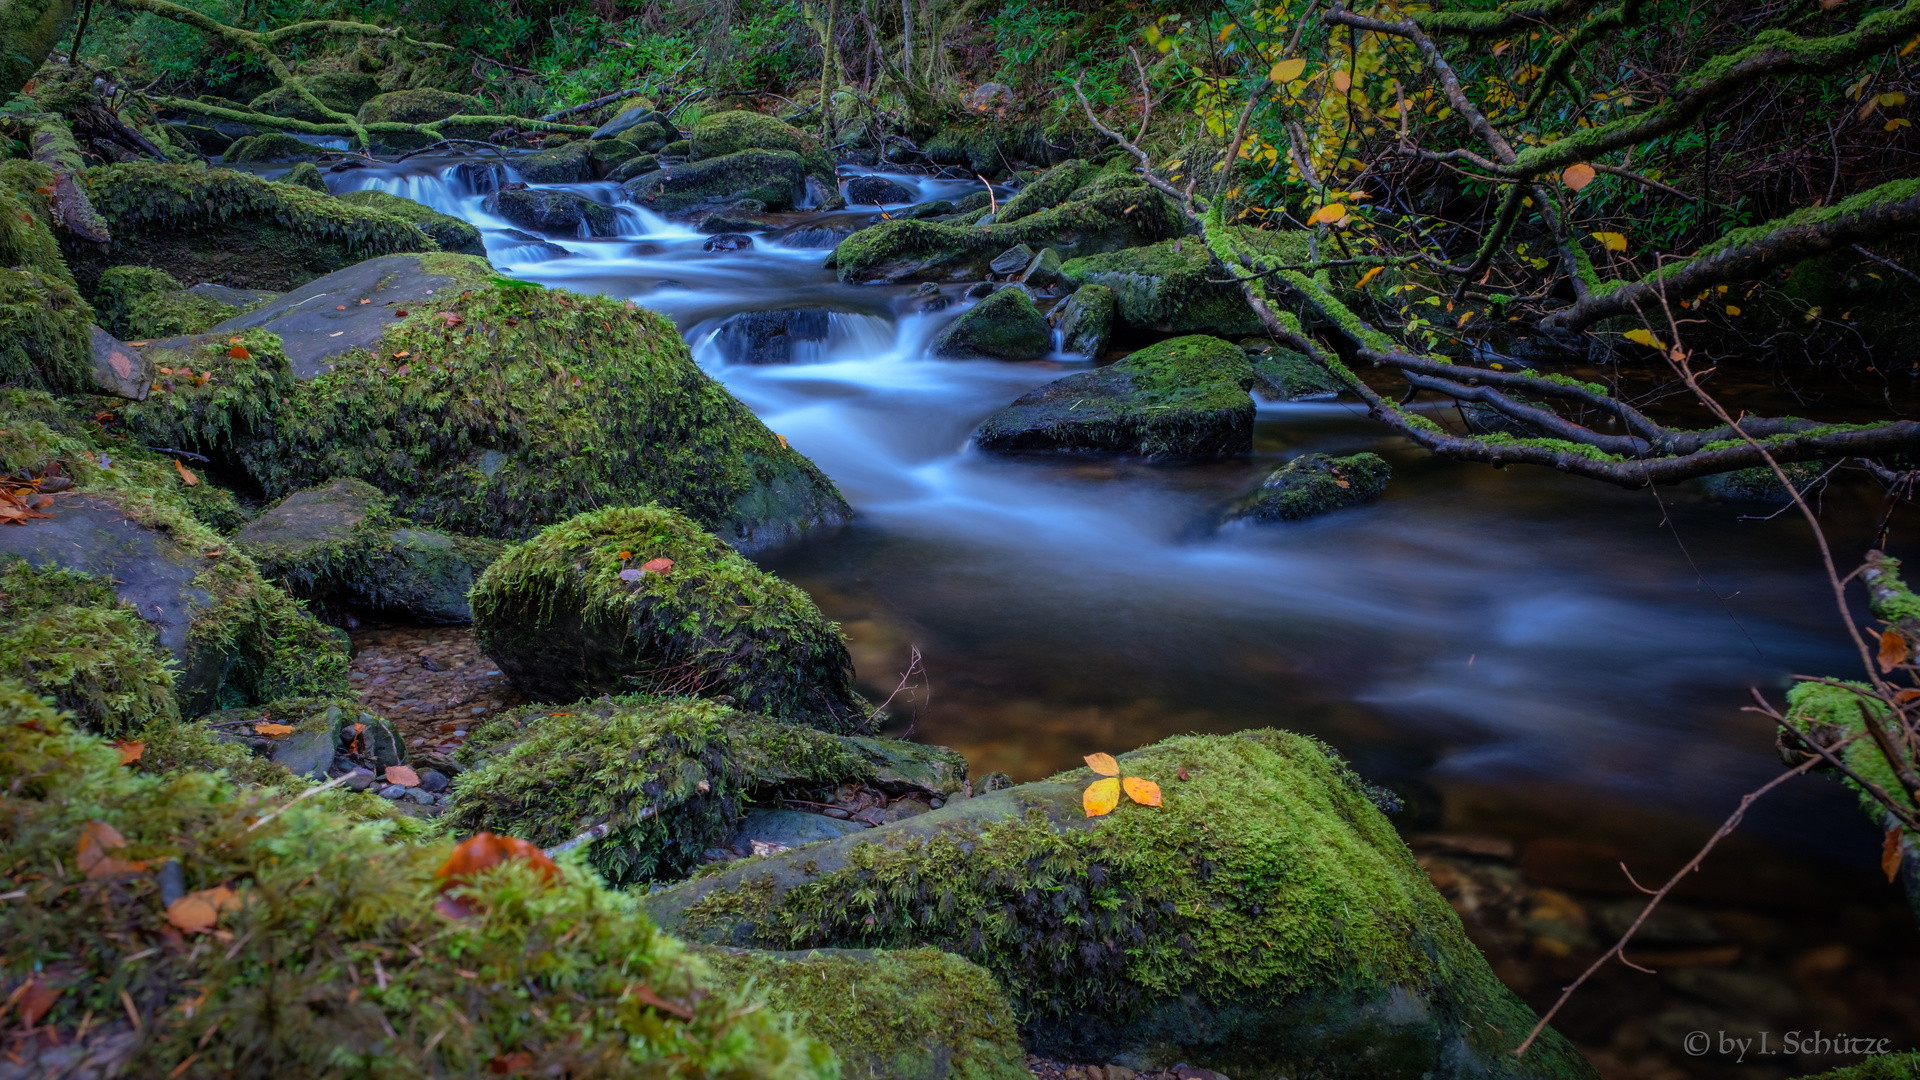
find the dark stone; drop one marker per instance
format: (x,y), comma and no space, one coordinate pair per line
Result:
(1004,326)
(557,212)
(728,242)
(119,369)
(433,781)
(1012,261)
(769,177)
(638,165)
(1044,272)
(1292,377)
(1086,321)
(569,164)
(876,191)
(1311,485)
(787,828)
(641,126)
(728,223)
(769,337)
(306,175)
(936,208)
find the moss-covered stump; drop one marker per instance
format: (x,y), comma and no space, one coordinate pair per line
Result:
(1185,397)
(508,408)
(722,134)
(561,213)
(668,778)
(1289,375)
(566,616)
(1086,324)
(331,958)
(270,146)
(230,227)
(342,91)
(1167,287)
(1106,216)
(46,329)
(140,302)
(422,106)
(1311,485)
(451,233)
(341,543)
(890,1014)
(751,180)
(1266,921)
(1004,326)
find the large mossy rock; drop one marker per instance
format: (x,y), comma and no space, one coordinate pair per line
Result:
(1265,921)
(1113,213)
(569,164)
(1311,485)
(271,146)
(748,179)
(72,638)
(1086,323)
(1004,326)
(1185,397)
(46,328)
(721,134)
(560,213)
(341,543)
(565,616)
(1291,376)
(422,106)
(451,233)
(341,91)
(230,228)
(640,125)
(669,778)
(511,407)
(902,1014)
(519,969)
(140,302)
(1170,287)
(230,636)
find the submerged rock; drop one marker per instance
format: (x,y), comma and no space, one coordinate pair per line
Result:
(1086,322)
(750,179)
(1290,376)
(1004,326)
(561,213)
(451,233)
(1185,397)
(770,337)
(1170,287)
(564,615)
(1311,485)
(877,191)
(1301,939)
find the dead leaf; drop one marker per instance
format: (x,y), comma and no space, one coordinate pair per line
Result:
(96,839)
(186,475)
(624,556)
(405,777)
(1342,81)
(130,751)
(1578,175)
(1181,772)
(1906,695)
(339,307)
(196,912)
(1144,792)
(1101,797)
(239,352)
(483,850)
(657,566)
(273,731)
(646,996)
(1891,850)
(1893,649)
(453,318)
(1103,764)
(400,313)
(366,301)
(35,999)
(504,1064)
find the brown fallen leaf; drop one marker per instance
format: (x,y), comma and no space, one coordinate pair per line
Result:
(239,352)
(97,838)
(508,1064)
(646,996)
(405,777)
(130,751)
(186,474)
(1893,649)
(1182,773)
(1577,175)
(483,850)
(196,912)
(1891,850)
(273,731)
(657,566)
(35,999)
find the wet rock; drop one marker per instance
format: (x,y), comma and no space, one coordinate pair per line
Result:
(1398,991)
(306,175)
(359,780)
(1311,485)
(786,829)
(1185,397)
(451,233)
(1011,261)
(1086,322)
(771,337)
(1168,287)
(728,242)
(934,209)
(268,147)
(638,165)
(561,213)
(1290,376)
(640,125)
(433,781)
(728,223)
(568,164)
(422,106)
(988,97)
(119,369)
(1004,326)
(979,290)
(719,135)
(307,753)
(771,178)
(877,191)
(393,791)
(1043,272)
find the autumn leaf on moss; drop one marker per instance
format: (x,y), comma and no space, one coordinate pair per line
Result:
(1102,796)
(1893,649)
(1891,850)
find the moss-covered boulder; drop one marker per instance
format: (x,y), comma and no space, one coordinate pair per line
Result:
(1117,212)
(639,125)
(331,957)
(46,328)
(1086,323)
(569,164)
(451,233)
(668,778)
(559,213)
(1170,287)
(1290,376)
(749,180)
(1311,485)
(1185,397)
(142,303)
(341,543)
(901,1014)
(342,91)
(1047,190)
(270,146)
(1759,484)
(70,637)
(721,134)
(1004,326)
(422,106)
(508,407)
(1264,921)
(306,175)
(229,227)
(565,615)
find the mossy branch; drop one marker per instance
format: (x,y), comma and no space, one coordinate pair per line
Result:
(1524,15)
(308,127)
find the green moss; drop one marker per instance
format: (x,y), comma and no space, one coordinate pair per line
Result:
(723,133)
(1759,484)
(1086,324)
(270,146)
(670,777)
(1293,376)
(1891,192)
(770,178)
(65,635)
(1314,484)
(341,91)
(451,233)
(1045,191)
(338,964)
(306,175)
(423,106)
(45,327)
(1005,325)
(1170,287)
(559,619)
(1888,595)
(1885,1067)
(906,1014)
(1836,709)
(140,302)
(1556,446)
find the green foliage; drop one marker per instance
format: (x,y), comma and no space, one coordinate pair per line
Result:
(338,965)
(1834,710)
(451,233)
(145,303)
(66,636)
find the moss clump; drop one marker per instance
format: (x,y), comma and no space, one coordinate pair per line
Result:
(140,302)
(1314,484)
(67,636)
(451,233)
(306,175)
(45,327)
(1086,325)
(1170,287)
(1045,191)
(1759,484)
(904,1014)
(231,227)
(567,163)
(1185,397)
(270,146)
(423,106)
(1005,326)
(1294,377)
(1884,1067)
(749,179)
(724,133)
(670,777)
(561,620)
(332,959)
(1834,711)
(1257,923)
(515,407)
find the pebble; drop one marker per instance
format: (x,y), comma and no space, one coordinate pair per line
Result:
(431,682)
(392,791)
(358,780)
(424,798)
(433,781)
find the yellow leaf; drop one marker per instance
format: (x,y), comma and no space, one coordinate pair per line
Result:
(1103,764)
(186,475)
(1144,792)
(1101,797)
(1577,175)
(1644,337)
(1328,213)
(1287,71)
(1612,241)
(1895,125)
(1368,276)
(1463,320)
(1733,309)
(1888,101)
(273,730)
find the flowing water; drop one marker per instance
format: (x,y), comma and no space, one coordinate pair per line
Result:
(1513,650)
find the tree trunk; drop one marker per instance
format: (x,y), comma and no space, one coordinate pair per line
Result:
(29,29)
(906,35)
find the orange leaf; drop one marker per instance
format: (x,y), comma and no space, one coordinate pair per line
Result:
(96,839)
(647,996)
(1578,175)
(484,850)
(186,476)
(1906,695)
(1890,851)
(1368,276)
(239,352)
(196,912)
(1893,649)
(518,1061)
(1144,792)
(1332,212)
(405,777)
(624,556)
(130,751)
(657,566)
(1103,764)
(273,731)
(36,997)
(1101,797)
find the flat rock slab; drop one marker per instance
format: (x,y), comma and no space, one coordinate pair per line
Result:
(326,317)
(307,520)
(119,368)
(788,829)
